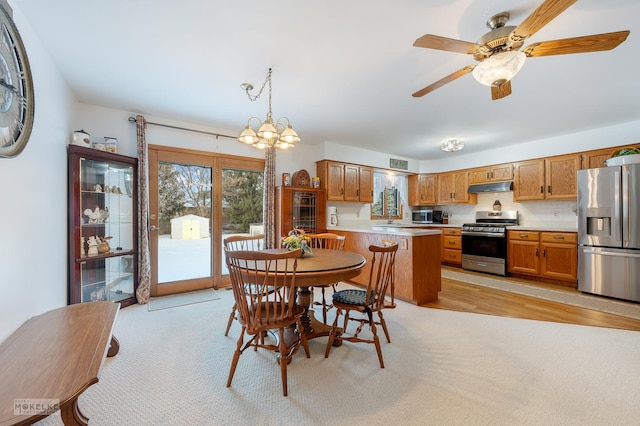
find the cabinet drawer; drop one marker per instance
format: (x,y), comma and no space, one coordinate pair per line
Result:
(559,237)
(449,242)
(524,235)
(451,231)
(453,256)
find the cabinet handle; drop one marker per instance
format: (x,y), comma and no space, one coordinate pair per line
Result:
(558,237)
(549,189)
(544,252)
(341,191)
(542,189)
(536,252)
(523,235)
(358,192)
(488,175)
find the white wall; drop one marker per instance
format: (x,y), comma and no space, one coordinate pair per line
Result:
(33,212)
(621,134)
(33,217)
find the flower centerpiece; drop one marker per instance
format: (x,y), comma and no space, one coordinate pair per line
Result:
(296,239)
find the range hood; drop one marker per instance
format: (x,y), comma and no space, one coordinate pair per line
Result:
(490,187)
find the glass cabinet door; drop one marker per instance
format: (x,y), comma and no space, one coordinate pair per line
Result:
(103,226)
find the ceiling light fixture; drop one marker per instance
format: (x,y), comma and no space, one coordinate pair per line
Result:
(269,133)
(499,68)
(451,145)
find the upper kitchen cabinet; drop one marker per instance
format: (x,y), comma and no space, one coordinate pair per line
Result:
(497,173)
(346,182)
(422,190)
(595,159)
(452,188)
(553,178)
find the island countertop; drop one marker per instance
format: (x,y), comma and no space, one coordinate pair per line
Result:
(407,231)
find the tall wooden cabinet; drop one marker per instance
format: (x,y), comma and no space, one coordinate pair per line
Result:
(300,208)
(102,227)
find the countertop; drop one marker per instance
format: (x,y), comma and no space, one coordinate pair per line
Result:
(389,229)
(414,229)
(543,228)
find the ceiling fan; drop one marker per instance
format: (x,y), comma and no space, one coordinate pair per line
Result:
(498,50)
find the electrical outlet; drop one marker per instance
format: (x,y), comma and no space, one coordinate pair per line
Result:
(404,244)
(556,214)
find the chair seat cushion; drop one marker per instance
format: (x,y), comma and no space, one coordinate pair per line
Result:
(352,297)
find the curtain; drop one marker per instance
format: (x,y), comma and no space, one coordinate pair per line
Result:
(268,200)
(144,257)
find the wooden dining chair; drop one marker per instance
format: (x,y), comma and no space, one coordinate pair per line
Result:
(379,295)
(261,311)
(236,243)
(327,241)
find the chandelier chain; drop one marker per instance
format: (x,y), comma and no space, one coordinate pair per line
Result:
(267,79)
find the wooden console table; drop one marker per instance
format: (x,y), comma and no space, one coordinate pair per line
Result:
(56,356)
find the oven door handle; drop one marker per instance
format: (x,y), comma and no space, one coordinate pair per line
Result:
(483,234)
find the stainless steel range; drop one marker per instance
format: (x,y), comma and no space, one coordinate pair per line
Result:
(484,243)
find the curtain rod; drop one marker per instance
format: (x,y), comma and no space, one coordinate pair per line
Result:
(217,135)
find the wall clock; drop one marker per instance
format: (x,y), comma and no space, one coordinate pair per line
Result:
(16,88)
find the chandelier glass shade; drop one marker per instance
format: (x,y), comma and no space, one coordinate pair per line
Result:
(451,145)
(279,134)
(499,68)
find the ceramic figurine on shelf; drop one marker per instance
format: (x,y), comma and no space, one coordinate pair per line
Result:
(104,214)
(93,246)
(97,188)
(94,216)
(104,245)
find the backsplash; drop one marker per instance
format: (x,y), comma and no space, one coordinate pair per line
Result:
(533,213)
(560,214)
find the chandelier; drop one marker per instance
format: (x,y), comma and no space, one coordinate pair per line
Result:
(451,145)
(269,133)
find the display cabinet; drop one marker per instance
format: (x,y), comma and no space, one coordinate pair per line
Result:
(300,208)
(103,243)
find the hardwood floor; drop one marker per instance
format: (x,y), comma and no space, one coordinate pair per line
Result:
(459,296)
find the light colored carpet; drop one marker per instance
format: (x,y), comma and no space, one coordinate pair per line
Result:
(442,368)
(181,299)
(598,303)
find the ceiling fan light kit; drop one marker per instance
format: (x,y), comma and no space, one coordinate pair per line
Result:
(452,145)
(498,51)
(499,68)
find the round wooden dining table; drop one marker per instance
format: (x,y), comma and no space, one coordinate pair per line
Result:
(322,267)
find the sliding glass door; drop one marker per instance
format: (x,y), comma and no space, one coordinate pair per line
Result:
(196,200)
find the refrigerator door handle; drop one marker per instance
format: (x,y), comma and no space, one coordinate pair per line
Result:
(616,205)
(602,252)
(626,214)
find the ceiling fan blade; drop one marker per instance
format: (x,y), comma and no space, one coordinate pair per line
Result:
(499,92)
(590,43)
(540,17)
(431,41)
(443,81)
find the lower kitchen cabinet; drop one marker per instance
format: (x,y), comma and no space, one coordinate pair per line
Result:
(551,255)
(452,246)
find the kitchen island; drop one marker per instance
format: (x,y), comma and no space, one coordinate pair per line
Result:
(417,267)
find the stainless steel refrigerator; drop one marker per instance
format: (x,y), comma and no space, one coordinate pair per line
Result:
(609,231)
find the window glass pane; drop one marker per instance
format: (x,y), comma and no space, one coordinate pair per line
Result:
(184,240)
